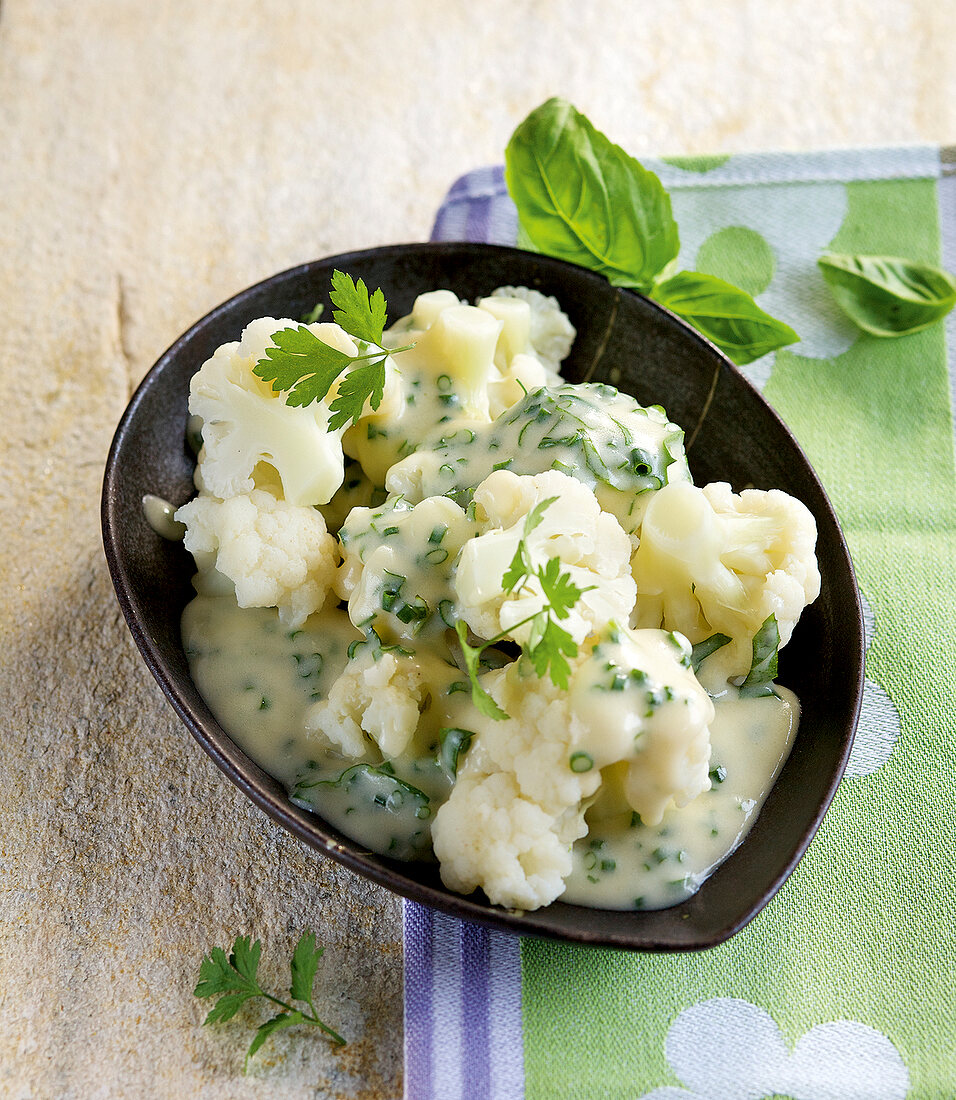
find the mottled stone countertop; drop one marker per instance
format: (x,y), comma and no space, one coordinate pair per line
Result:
(156,158)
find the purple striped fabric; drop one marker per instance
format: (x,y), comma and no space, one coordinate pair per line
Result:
(478,208)
(463,1038)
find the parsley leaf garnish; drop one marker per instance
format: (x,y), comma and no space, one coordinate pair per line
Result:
(548,645)
(365,383)
(305,368)
(301,365)
(234,980)
(362,315)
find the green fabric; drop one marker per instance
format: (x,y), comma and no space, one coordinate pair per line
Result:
(865,929)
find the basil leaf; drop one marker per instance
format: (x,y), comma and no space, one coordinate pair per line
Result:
(888,295)
(582,198)
(725,314)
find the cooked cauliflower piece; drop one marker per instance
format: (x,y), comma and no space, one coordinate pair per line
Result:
(632,703)
(521,366)
(276,554)
(620,450)
(469,364)
(501,361)
(487,834)
(592,548)
(644,706)
(398,564)
(377,699)
(632,697)
(244,423)
(712,561)
(460,343)
(550,333)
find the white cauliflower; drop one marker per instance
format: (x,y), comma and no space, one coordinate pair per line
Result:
(632,703)
(644,707)
(593,550)
(711,561)
(244,423)
(550,333)
(487,834)
(276,554)
(459,343)
(386,699)
(522,363)
(378,695)
(632,698)
(496,351)
(398,563)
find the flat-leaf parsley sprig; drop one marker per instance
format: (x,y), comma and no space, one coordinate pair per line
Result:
(548,645)
(305,368)
(234,981)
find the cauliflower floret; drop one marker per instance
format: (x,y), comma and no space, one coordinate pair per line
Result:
(521,368)
(276,554)
(631,698)
(516,347)
(488,835)
(378,694)
(380,698)
(633,705)
(459,342)
(593,550)
(711,561)
(550,333)
(398,563)
(245,423)
(644,706)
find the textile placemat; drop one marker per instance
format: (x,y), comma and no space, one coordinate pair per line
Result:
(844,987)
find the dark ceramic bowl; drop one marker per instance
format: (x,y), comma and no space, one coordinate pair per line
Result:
(624,338)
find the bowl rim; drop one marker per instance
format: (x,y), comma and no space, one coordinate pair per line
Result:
(309,827)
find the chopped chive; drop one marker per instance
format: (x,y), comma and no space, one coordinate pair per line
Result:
(581,762)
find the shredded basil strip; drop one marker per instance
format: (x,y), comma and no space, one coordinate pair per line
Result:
(452,743)
(703,650)
(763,669)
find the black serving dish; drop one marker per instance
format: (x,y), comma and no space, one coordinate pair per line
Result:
(622,338)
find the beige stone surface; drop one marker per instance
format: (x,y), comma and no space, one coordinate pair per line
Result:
(154,159)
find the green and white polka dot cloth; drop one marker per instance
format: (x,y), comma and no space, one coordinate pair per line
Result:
(844,987)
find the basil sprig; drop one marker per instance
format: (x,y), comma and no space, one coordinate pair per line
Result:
(888,295)
(581,198)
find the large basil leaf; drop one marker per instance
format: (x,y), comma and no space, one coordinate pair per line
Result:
(888,295)
(582,198)
(725,314)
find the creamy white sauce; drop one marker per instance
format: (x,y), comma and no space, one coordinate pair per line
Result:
(260,679)
(624,864)
(160,515)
